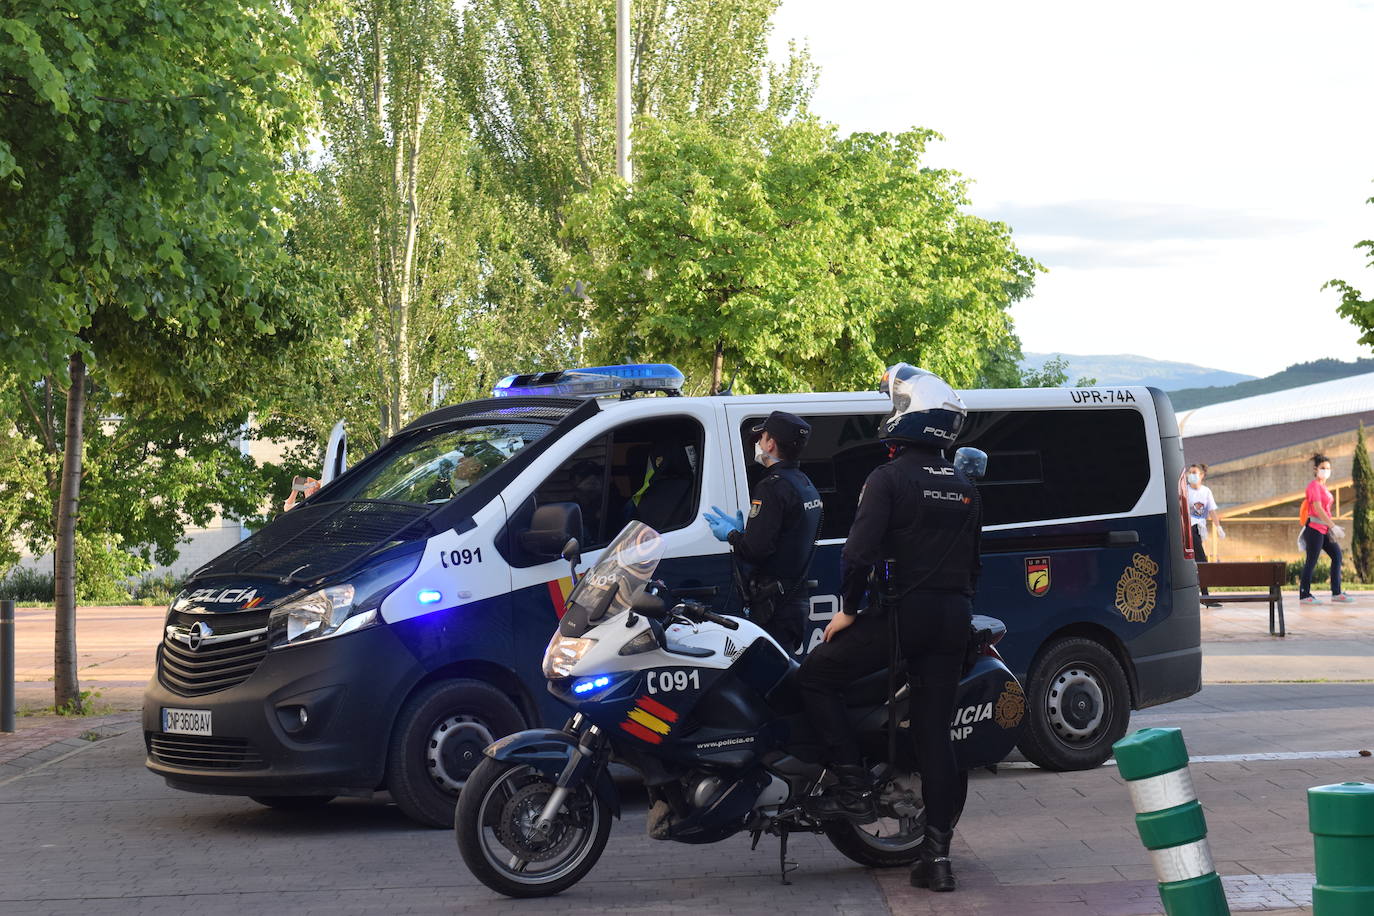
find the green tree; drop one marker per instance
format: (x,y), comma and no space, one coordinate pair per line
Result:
(802,259)
(141,256)
(1362,527)
(1354,307)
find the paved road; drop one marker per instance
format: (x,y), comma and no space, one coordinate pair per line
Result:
(94,832)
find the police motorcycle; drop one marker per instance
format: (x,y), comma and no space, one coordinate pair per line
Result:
(704,709)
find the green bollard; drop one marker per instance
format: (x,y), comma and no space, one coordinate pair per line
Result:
(1154,763)
(1341,818)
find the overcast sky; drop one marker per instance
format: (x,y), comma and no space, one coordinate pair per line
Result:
(1190,173)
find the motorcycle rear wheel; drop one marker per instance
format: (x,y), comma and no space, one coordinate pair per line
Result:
(495,814)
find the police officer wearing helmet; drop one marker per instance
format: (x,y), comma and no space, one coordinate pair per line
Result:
(779,537)
(924,513)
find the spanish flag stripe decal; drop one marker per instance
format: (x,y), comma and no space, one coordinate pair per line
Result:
(560,607)
(254,603)
(641,732)
(658,709)
(648,721)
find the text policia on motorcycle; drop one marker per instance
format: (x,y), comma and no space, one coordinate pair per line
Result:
(911,562)
(776,542)
(387,633)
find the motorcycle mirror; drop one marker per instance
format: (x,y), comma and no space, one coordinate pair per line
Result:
(972,461)
(572,552)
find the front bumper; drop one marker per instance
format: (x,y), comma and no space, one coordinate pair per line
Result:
(350,687)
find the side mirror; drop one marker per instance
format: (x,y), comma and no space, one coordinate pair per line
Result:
(972,461)
(572,551)
(551,528)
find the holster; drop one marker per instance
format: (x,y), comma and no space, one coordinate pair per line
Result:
(764,594)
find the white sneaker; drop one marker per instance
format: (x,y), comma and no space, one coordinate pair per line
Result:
(1310,600)
(1342,598)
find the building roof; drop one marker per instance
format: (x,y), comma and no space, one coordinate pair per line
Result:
(1242,443)
(1336,398)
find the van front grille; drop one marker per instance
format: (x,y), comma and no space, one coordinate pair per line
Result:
(197,752)
(194,672)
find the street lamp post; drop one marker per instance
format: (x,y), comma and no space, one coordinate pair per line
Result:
(622,90)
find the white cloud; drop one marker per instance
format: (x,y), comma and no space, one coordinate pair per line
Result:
(1178,166)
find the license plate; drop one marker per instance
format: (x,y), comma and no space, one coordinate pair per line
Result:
(186,721)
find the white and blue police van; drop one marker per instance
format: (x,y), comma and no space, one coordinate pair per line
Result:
(382,633)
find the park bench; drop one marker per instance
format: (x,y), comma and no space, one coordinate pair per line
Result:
(1259,574)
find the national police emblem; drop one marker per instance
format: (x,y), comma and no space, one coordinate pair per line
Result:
(1011,706)
(1037,575)
(1137,590)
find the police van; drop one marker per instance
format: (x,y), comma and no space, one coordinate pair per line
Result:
(382,633)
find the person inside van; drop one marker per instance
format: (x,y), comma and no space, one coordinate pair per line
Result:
(1201,507)
(666,499)
(1321,534)
(927,515)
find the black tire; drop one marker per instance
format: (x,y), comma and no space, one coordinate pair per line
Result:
(293,802)
(480,808)
(886,843)
(1079,705)
(438,739)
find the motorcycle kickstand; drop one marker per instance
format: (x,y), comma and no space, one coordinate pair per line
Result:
(756,834)
(782,858)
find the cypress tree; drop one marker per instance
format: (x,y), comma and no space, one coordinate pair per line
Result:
(1362,531)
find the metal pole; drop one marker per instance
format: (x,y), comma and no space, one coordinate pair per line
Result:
(6,666)
(622,90)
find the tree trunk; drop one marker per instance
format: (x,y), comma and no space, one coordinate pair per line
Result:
(407,281)
(717,367)
(66,689)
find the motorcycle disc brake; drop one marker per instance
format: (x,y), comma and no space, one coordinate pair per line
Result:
(515,825)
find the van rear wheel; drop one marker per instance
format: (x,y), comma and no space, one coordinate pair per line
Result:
(1079,704)
(437,742)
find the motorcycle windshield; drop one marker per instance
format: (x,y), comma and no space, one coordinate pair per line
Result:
(611,585)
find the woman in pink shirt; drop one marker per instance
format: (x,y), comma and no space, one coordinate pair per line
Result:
(1320,533)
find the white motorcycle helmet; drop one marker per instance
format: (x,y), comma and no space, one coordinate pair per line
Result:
(925,410)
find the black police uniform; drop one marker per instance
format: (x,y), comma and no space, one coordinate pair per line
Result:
(920,511)
(779,537)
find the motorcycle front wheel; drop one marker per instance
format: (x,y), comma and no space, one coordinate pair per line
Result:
(495,821)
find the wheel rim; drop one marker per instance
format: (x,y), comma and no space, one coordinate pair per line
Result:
(1077,704)
(903,826)
(506,818)
(454,748)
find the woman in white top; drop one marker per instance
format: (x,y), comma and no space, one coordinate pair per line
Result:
(1201,507)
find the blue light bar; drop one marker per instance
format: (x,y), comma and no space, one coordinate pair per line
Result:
(428,596)
(591,683)
(595,381)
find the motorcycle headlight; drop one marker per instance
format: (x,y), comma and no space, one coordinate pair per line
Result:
(344,608)
(563,654)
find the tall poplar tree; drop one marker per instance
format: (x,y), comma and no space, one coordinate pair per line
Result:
(1362,527)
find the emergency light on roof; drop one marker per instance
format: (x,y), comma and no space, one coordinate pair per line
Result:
(596,381)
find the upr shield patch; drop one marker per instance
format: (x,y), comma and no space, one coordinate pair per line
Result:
(754,506)
(1037,575)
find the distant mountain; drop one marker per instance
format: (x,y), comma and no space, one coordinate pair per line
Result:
(1321,370)
(1127,369)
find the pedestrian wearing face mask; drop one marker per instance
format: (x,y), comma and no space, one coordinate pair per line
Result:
(1321,534)
(777,540)
(1201,507)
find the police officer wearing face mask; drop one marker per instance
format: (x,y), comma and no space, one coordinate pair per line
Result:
(779,537)
(922,512)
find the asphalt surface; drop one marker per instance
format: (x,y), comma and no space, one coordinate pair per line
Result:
(92,831)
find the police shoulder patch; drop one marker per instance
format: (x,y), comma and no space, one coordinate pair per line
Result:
(754,506)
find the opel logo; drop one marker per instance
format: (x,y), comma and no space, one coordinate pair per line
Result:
(197,634)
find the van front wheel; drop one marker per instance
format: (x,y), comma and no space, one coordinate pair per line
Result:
(1079,703)
(437,742)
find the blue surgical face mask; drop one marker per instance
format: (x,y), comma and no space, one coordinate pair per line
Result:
(1192,479)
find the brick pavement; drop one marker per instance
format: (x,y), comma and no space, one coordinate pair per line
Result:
(40,739)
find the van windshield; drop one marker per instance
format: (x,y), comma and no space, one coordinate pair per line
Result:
(434,467)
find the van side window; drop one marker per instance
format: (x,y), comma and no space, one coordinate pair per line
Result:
(648,471)
(843,450)
(1049,464)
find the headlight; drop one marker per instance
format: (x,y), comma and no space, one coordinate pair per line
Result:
(563,654)
(345,608)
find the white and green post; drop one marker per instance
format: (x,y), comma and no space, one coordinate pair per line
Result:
(1154,763)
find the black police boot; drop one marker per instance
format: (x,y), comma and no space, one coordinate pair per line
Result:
(933,869)
(851,797)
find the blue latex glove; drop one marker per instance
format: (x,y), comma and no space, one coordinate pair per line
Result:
(722,524)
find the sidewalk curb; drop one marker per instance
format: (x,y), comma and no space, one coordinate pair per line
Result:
(62,748)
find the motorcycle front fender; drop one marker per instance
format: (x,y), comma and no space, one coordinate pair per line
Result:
(549,751)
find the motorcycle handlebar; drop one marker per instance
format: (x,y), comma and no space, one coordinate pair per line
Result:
(700,591)
(695,611)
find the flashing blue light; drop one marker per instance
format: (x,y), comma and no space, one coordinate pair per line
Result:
(428,596)
(594,381)
(590,684)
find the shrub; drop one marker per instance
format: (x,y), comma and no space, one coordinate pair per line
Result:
(24,584)
(158,589)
